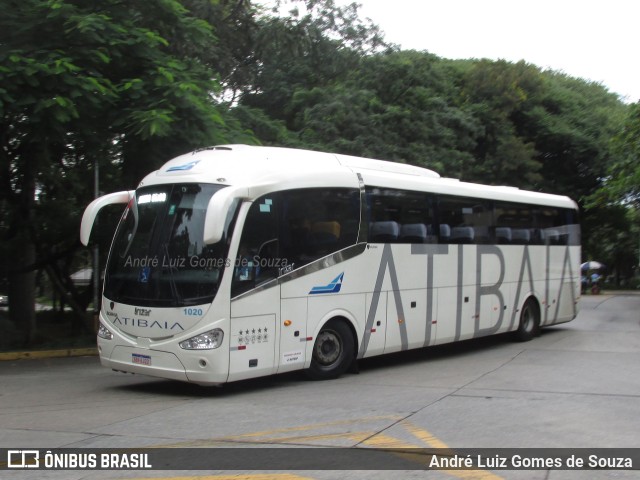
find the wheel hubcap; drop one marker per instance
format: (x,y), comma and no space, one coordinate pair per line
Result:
(328,347)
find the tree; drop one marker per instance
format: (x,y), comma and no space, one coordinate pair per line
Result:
(623,179)
(499,94)
(571,127)
(615,206)
(610,235)
(317,45)
(126,85)
(396,106)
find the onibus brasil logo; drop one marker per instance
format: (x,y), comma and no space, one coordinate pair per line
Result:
(56,459)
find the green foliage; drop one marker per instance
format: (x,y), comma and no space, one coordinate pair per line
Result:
(500,95)
(486,121)
(610,235)
(394,107)
(615,205)
(623,180)
(257,124)
(123,85)
(127,85)
(317,47)
(574,130)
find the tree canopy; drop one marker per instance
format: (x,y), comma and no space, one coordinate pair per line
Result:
(120,85)
(125,86)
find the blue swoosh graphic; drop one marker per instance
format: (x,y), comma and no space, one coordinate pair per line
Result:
(333,287)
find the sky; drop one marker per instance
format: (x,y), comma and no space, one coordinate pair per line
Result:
(597,40)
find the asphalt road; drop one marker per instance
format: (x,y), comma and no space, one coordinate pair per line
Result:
(575,386)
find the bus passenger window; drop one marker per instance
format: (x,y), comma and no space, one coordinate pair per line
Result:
(399,216)
(517,219)
(289,229)
(317,222)
(465,220)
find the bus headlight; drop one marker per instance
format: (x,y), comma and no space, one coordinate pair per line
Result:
(205,341)
(104,332)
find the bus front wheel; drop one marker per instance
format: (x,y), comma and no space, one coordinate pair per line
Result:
(333,351)
(529,325)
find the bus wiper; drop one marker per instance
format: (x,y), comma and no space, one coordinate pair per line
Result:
(133,208)
(175,294)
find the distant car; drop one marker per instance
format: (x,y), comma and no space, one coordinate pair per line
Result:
(4,300)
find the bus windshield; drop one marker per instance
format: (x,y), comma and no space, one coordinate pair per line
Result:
(158,257)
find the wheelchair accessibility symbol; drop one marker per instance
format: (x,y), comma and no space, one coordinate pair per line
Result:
(144,275)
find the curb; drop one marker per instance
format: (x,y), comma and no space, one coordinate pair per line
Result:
(40,354)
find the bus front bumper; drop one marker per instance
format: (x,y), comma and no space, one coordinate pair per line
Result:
(156,363)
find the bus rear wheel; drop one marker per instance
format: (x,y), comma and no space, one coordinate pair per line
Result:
(529,325)
(333,351)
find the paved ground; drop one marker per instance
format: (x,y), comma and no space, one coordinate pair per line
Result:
(578,385)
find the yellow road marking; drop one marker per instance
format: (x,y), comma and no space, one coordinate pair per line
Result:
(433,442)
(424,438)
(384,441)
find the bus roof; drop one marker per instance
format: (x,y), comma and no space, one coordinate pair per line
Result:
(265,169)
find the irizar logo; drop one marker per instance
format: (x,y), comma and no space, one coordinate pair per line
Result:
(333,287)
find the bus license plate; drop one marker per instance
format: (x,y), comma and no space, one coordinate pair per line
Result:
(141,359)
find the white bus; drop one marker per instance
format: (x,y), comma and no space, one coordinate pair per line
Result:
(235,262)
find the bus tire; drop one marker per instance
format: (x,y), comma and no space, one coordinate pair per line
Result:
(529,325)
(333,351)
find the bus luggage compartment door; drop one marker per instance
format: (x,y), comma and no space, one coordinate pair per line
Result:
(293,334)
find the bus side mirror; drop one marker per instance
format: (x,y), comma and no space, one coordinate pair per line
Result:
(91,212)
(217,212)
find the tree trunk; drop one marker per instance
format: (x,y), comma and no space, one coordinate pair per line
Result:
(21,242)
(22,288)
